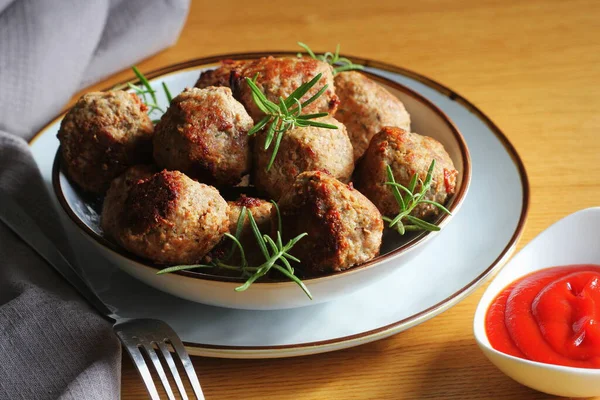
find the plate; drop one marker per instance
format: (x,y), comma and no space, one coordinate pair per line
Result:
(475,244)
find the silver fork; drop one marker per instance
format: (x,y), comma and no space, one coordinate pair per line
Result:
(135,334)
(145,334)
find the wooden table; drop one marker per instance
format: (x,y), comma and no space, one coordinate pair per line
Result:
(532,66)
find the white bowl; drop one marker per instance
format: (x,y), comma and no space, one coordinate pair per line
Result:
(572,240)
(268,295)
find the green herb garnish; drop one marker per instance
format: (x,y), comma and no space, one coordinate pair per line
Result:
(285,115)
(276,254)
(146,90)
(338,63)
(404,221)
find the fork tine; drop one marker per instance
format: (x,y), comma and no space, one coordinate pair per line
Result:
(187,364)
(140,363)
(159,369)
(169,359)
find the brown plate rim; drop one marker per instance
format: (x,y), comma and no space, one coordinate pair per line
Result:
(456,201)
(436,308)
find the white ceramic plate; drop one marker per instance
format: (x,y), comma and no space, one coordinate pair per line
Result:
(466,252)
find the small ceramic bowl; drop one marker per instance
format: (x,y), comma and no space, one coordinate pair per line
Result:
(571,241)
(216,290)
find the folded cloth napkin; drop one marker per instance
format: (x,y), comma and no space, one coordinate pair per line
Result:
(52,344)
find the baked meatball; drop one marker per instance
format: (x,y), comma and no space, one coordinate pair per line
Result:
(103,135)
(114,201)
(221,75)
(276,77)
(406,153)
(262,212)
(366,107)
(303,149)
(204,133)
(171,219)
(344,228)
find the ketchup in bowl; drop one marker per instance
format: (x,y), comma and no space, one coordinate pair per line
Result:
(551,316)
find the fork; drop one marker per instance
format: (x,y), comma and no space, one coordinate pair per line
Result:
(135,334)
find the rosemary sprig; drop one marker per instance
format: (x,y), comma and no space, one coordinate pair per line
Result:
(276,254)
(285,115)
(148,94)
(338,63)
(404,221)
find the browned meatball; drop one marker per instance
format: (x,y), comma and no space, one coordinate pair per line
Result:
(344,228)
(262,212)
(303,149)
(114,201)
(221,75)
(171,219)
(204,133)
(406,153)
(276,77)
(366,107)
(103,135)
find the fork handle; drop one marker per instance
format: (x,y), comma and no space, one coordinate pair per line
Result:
(27,229)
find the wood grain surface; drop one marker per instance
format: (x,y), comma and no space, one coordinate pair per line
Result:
(532,66)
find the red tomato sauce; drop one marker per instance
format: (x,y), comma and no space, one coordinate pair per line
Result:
(551,316)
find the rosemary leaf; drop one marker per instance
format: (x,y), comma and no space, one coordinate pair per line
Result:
(278,213)
(319,124)
(422,224)
(312,116)
(403,221)
(183,267)
(275,150)
(258,236)
(259,125)
(145,82)
(438,205)
(302,90)
(295,279)
(395,191)
(167,92)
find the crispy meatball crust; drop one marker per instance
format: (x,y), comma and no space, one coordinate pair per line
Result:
(276,77)
(114,201)
(204,134)
(262,211)
(103,135)
(221,75)
(303,149)
(366,107)
(406,153)
(171,219)
(344,228)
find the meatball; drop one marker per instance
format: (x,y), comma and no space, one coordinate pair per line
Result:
(303,149)
(114,201)
(262,212)
(221,75)
(276,77)
(204,134)
(103,135)
(171,219)
(366,107)
(344,228)
(406,153)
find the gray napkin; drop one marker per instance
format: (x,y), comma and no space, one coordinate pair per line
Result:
(52,344)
